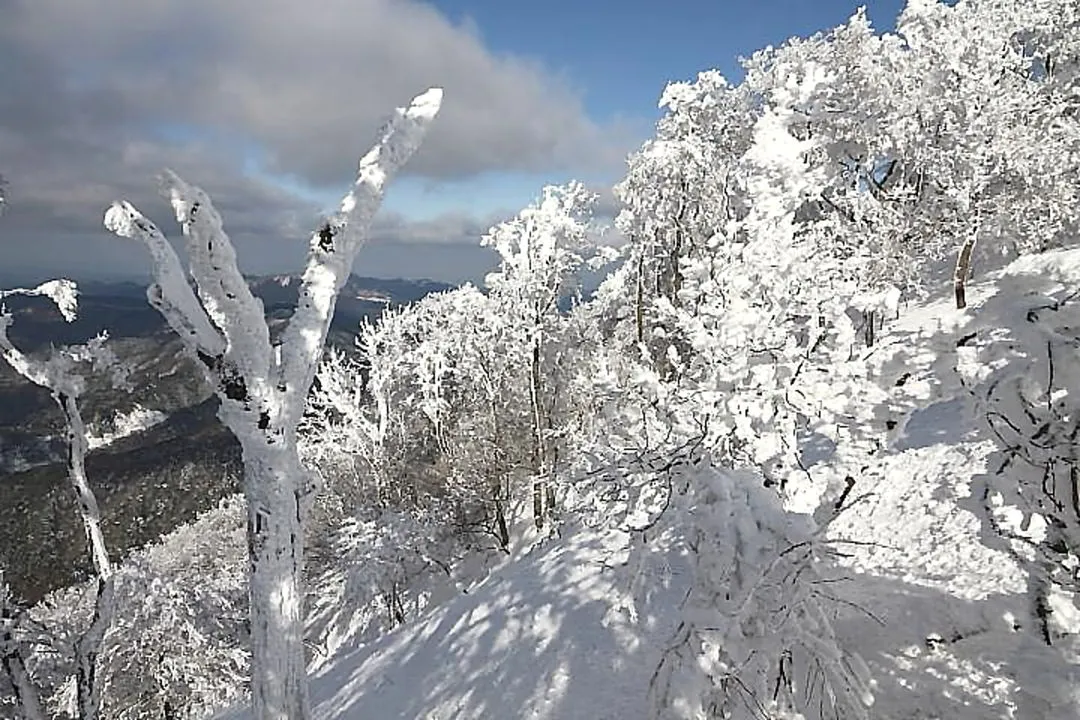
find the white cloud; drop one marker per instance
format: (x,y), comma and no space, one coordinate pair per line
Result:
(95,98)
(308,81)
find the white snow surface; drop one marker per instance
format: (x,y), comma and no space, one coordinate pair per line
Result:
(538,639)
(929,606)
(542,638)
(125,425)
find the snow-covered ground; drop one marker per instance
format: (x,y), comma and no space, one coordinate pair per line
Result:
(936,613)
(538,639)
(930,612)
(125,425)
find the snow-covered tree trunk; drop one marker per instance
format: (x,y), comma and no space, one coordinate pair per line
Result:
(58,375)
(262,388)
(88,646)
(963,271)
(542,484)
(500,483)
(276,509)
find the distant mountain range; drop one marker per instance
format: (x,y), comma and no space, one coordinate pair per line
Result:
(156,477)
(121,308)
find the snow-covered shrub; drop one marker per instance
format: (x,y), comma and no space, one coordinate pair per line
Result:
(407,442)
(180,642)
(427,414)
(755,638)
(1018,360)
(177,647)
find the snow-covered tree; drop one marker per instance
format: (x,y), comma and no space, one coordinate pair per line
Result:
(421,442)
(263,387)
(62,375)
(735,292)
(465,387)
(995,155)
(822,145)
(680,194)
(435,411)
(541,252)
(927,140)
(177,647)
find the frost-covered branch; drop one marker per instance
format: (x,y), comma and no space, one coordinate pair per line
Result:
(58,375)
(262,393)
(170,295)
(334,246)
(222,289)
(50,376)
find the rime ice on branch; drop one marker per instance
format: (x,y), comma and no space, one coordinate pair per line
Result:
(263,387)
(60,375)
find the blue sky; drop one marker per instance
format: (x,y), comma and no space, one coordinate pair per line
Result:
(618,56)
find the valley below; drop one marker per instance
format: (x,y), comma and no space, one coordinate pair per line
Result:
(159,454)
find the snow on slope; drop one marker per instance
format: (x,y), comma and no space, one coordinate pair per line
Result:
(542,638)
(125,425)
(934,611)
(538,639)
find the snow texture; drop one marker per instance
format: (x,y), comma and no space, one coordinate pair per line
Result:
(932,609)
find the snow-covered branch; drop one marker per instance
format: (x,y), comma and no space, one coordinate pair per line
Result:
(49,376)
(222,289)
(59,375)
(170,295)
(334,246)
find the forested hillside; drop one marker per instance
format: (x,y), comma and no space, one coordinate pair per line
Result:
(808,452)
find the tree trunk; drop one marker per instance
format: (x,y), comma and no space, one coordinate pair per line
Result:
(88,646)
(540,454)
(963,270)
(500,487)
(639,304)
(273,484)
